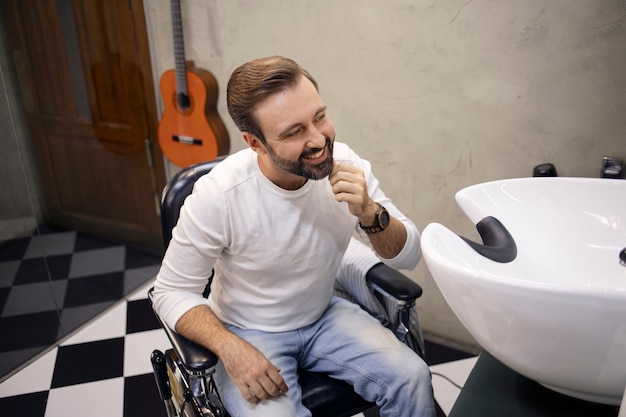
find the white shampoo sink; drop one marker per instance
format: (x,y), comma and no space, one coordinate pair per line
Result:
(547,294)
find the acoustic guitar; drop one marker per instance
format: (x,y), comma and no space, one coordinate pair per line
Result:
(190,130)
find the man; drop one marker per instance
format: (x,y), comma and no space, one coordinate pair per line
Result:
(274,220)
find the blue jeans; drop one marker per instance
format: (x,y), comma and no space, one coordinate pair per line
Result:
(347,344)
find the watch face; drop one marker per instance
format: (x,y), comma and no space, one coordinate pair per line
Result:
(384,218)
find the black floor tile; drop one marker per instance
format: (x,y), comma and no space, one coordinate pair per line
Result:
(14,250)
(140,317)
(31,405)
(136,258)
(436,354)
(59,266)
(141,397)
(85,242)
(43,269)
(34,330)
(94,289)
(47,229)
(88,362)
(372,412)
(4,294)
(438,411)
(31,271)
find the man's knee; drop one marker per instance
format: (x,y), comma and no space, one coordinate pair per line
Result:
(414,368)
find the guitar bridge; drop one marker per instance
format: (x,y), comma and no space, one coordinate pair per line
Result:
(186,140)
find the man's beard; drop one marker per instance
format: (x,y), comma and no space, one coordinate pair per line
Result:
(303,169)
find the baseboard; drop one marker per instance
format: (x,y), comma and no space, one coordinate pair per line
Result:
(15,228)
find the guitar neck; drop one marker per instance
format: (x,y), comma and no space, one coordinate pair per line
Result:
(179,49)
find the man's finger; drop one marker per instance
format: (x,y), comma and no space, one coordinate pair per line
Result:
(278,380)
(248,394)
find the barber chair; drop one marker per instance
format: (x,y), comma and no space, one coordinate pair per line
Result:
(183,373)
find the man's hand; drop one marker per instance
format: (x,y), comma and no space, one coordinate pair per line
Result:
(348,184)
(255,376)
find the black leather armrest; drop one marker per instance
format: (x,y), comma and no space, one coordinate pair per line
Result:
(195,357)
(393,282)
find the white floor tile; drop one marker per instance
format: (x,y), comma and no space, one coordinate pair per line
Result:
(446,393)
(98,261)
(50,245)
(34,298)
(137,350)
(110,325)
(95,399)
(34,378)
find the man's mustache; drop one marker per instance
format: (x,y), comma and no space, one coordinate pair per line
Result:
(315,150)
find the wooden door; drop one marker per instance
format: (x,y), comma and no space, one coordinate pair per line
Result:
(87,88)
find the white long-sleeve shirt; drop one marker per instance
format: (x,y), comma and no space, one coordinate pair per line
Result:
(276,252)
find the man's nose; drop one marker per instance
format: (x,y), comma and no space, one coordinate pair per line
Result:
(317,140)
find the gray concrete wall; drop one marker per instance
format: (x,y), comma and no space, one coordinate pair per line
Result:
(20,208)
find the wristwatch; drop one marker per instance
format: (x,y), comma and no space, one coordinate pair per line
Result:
(381,221)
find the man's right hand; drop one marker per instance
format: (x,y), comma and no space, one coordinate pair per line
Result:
(255,376)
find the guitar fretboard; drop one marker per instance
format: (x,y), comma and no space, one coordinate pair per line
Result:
(179,50)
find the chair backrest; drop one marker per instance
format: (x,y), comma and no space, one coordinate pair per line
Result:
(177,189)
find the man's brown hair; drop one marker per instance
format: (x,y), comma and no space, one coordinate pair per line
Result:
(253,81)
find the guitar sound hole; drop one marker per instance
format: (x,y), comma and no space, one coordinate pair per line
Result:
(183,101)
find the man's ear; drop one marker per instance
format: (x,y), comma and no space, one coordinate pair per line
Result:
(254,143)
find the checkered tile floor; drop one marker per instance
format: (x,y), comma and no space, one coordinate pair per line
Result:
(57,280)
(102,370)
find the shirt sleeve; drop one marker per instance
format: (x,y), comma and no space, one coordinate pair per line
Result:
(197,241)
(410,254)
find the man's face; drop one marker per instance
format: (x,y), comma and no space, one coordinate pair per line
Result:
(299,135)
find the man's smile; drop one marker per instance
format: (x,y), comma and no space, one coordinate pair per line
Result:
(315,157)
